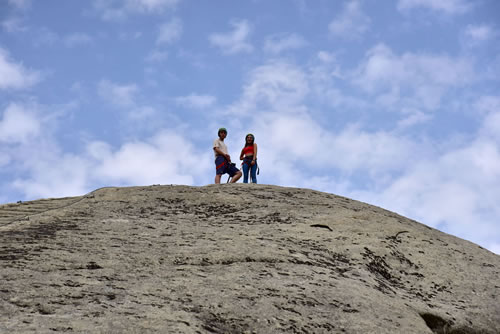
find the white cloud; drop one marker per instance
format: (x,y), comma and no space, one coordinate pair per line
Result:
(351,23)
(278,43)
(150,6)
(372,152)
(21,4)
(235,41)
(169,32)
(127,36)
(413,117)
(44,169)
(273,103)
(196,59)
(426,76)
(382,65)
(488,104)
(14,75)
(491,122)
(196,101)
(77,39)
(14,24)
(446,6)
(275,85)
(157,56)
(457,192)
(108,11)
(18,124)
(477,34)
(54,176)
(326,57)
(316,146)
(47,171)
(142,112)
(119,95)
(326,77)
(164,158)
(120,9)
(455,188)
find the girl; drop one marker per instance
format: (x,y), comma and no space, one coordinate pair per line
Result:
(249,157)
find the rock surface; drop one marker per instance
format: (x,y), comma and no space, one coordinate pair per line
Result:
(236,259)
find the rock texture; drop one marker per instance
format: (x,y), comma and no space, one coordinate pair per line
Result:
(236,259)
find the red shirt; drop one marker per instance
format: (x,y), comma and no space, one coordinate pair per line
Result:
(248,150)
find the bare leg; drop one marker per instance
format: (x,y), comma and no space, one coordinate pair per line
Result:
(217,178)
(236,177)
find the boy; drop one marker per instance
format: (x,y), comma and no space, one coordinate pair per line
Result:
(223,160)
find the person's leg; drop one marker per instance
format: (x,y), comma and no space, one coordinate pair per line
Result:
(220,168)
(234,172)
(245,173)
(253,172)
(236,177)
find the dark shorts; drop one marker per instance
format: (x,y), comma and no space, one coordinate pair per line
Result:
(223,167)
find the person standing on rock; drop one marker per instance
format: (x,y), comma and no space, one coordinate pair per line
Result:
(249,157)
(223,163)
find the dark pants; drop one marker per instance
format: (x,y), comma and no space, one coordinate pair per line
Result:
(247,167)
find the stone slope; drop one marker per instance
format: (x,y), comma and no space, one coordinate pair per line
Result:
(12,212)
(236,259)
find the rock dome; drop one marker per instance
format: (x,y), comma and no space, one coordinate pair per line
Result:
(239,258)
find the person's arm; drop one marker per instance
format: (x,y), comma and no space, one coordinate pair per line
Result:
(254,153)
(241,154)
(219,152)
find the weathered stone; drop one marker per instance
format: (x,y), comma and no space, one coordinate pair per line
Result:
(238,258)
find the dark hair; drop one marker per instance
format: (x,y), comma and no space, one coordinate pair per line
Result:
(221,130)
(253,139)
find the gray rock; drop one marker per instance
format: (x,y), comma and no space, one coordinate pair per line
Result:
(238,258)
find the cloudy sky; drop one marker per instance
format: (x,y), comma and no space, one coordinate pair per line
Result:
(394,103)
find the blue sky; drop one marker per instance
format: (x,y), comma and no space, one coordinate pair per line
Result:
(394,103)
